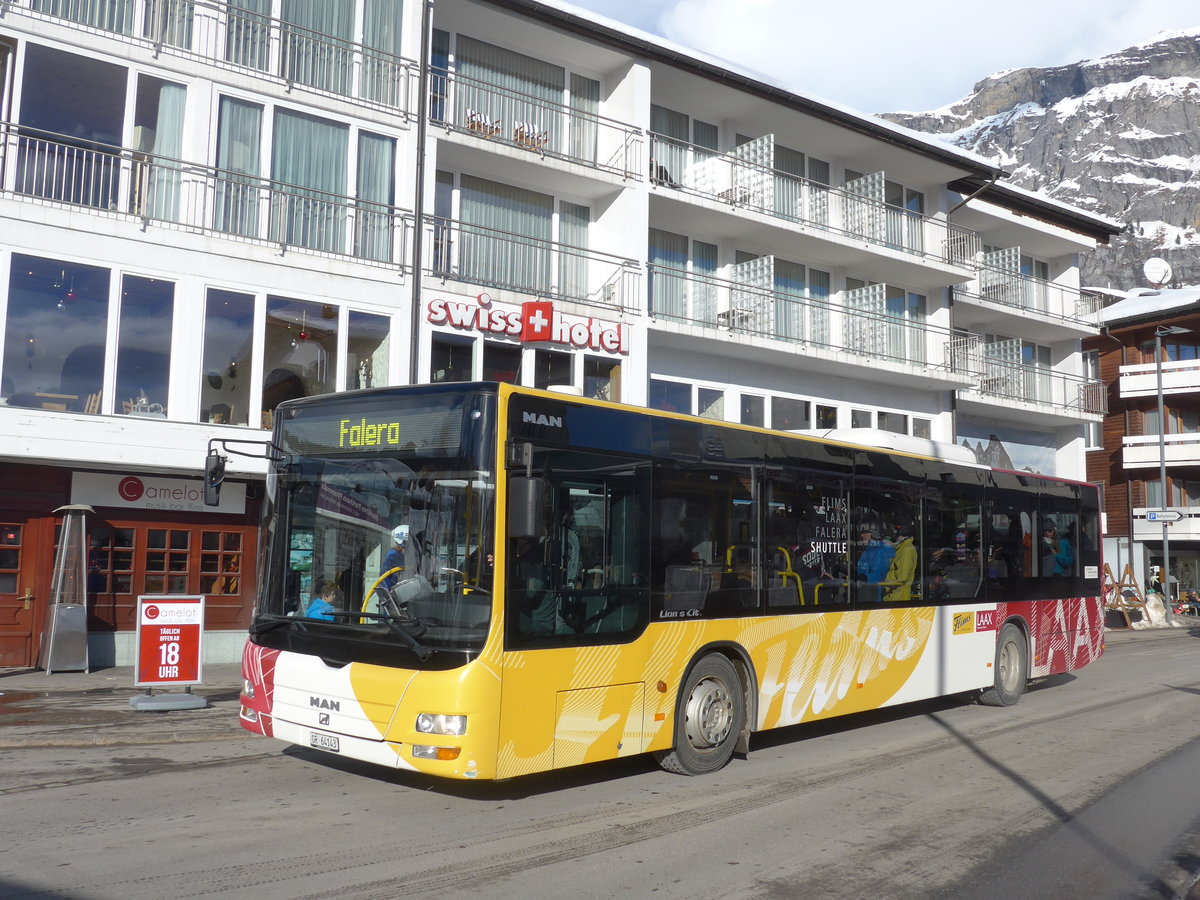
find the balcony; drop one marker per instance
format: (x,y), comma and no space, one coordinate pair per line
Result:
(996,290)
(1141,451)
(248,41)
(816,327)
(510,118)
(1003,383)
(746,180)
(118,182)
(487,257)
(1178,377)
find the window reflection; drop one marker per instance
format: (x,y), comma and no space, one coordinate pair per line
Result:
(299,354)
(143,354)
(54,339)
(367,348)
(228,345)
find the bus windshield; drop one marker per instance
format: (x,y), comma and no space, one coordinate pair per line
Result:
(379,547)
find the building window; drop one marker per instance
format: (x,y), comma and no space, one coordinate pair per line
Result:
(552,368)
(897,423)
(681,277)
(710,403)
(451,359)
(861,418)
(143,346)
(10,557)
(299,352)
(502,362)
(827,417)
(789,414)
(670,396)
(54,336)
(922,428)
(753,410)
(228,350)
(602,378)
(368,349)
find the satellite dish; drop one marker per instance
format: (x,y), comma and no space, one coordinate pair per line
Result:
(1157,271)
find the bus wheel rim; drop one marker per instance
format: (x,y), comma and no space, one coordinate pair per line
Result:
(709,714)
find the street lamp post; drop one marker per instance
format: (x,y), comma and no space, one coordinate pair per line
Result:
(1165,570)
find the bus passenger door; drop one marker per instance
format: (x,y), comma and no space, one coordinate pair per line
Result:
(573,681)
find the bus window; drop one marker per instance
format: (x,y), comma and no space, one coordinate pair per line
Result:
(705,540)
(954,567)
(581,578)
(891,510)
(806,540)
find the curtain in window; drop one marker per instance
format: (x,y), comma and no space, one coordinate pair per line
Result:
(247,33)
(668,145)
(509,94)
(382,74)
(443,229)
(376,193)
(573,240)
(818,310)
(789,183)
(704,289)
(790,307)
(110,15)
(238,148)
(668,277)
(506,234)
(169,22)
(585,105)
(308,166)
(164,172)
(317,43)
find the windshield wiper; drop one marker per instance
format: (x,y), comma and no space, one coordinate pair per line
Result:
(270,625)
(407,628)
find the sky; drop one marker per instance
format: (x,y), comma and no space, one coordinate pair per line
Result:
(889,55)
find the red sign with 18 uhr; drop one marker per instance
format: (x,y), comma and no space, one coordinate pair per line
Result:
(168,637)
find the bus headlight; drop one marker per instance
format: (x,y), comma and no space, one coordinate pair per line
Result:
(248,688)
(428,723)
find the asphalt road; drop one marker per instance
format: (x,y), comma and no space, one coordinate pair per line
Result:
(1089,787)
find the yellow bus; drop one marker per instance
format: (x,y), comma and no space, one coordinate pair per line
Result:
(485,581)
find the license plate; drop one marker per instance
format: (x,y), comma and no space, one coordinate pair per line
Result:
(323,741)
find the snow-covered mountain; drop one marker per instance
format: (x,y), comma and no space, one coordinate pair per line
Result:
(1118,136)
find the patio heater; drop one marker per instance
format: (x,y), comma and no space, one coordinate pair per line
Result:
(64,645)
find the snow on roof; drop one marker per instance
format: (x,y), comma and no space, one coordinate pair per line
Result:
(1143,303)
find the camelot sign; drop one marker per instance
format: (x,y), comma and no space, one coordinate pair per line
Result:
(533,322)
(130,491)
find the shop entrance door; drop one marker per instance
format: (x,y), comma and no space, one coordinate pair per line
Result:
(24,586)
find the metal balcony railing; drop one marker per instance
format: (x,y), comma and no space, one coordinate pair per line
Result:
(109,180)
(730,178)
(1034,384)
(814,322)
(542,126)
(1028,294)
(459,251)
(244,39)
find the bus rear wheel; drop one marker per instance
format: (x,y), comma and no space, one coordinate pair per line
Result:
(709,718)
(1012,668)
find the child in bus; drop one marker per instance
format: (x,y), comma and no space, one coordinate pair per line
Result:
(326,603)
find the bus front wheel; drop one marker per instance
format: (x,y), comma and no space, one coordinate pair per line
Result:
(708,720)
(1012,668)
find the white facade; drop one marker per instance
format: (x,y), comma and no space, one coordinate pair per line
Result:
(209,207)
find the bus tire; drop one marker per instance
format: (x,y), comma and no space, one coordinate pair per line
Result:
(708,720)
(1012,668)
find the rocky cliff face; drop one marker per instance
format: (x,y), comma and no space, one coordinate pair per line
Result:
(1118,136)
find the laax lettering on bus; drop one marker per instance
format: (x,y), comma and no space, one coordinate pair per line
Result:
(481,315)
(368,434)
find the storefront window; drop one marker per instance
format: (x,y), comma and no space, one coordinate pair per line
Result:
(450,359)
(789,414)
(54,338)
(552,368)
(602,378)
(228,350)
(143,346)
(299,354)
(670,396)
(897,423)
(753,410)
(710,403)
(827,417)
(367,350)
(501,362)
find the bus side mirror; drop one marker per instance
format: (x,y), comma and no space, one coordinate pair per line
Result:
(525,506)
(214,474)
